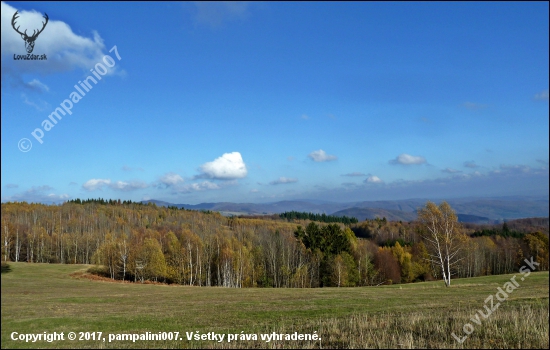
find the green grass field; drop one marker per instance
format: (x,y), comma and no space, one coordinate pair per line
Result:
(39,298)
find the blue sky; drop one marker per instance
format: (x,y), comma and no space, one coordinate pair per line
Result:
(259,102)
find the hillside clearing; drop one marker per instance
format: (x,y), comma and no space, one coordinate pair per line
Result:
(39,298)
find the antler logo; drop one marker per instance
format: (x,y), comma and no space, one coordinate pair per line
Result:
(29,40)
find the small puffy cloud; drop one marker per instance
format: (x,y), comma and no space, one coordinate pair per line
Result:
(354,174)
(38,86)
(127,186)
(450,171)
(58,197)
(305,116)
(407,159)
(205,185)
(171,179)
(99,184)
(470,164)
(372,179)
(321,156)
(96,184)
(11,186)
(227,167)
(283,180)
(542,96)
(197,186)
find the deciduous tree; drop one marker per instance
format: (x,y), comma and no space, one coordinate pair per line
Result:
(442,235)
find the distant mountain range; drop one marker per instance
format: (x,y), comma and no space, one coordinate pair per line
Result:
(475,210)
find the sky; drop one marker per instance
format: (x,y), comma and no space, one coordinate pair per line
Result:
(262,102)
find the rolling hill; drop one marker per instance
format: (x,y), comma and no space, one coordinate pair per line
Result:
(475,210)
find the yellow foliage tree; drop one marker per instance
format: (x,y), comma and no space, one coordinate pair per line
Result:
(442,235)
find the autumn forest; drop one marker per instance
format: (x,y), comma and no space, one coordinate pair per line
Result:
(148,243)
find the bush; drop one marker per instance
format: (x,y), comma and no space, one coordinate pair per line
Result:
(99,271)
(5,267)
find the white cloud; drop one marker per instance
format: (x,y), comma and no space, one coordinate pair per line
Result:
(99,184)
(510,181)
(205,185)
(64,49)
(283,180)
(321,156)
(38,194)
(57,197)
(543,95)
(407,159)
(372,179)
(96,184)
(227,167)
(198,186)
(127,186)
(171,179)
(11,186)
(119,185)
(38,86)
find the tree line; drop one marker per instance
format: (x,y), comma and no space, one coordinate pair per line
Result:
(495,231)
(136,242)
(295,215)
(104,201)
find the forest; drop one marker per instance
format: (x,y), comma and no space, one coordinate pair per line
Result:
(293,215)
(147,243)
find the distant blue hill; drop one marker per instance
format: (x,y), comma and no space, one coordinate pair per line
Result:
(474,210)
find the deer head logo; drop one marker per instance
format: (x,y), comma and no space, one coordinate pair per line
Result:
(29,40)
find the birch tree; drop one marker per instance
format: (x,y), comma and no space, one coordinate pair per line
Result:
(442,235)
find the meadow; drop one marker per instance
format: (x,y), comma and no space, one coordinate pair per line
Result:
(38,298)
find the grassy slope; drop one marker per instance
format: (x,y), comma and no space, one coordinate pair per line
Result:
(40,297)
